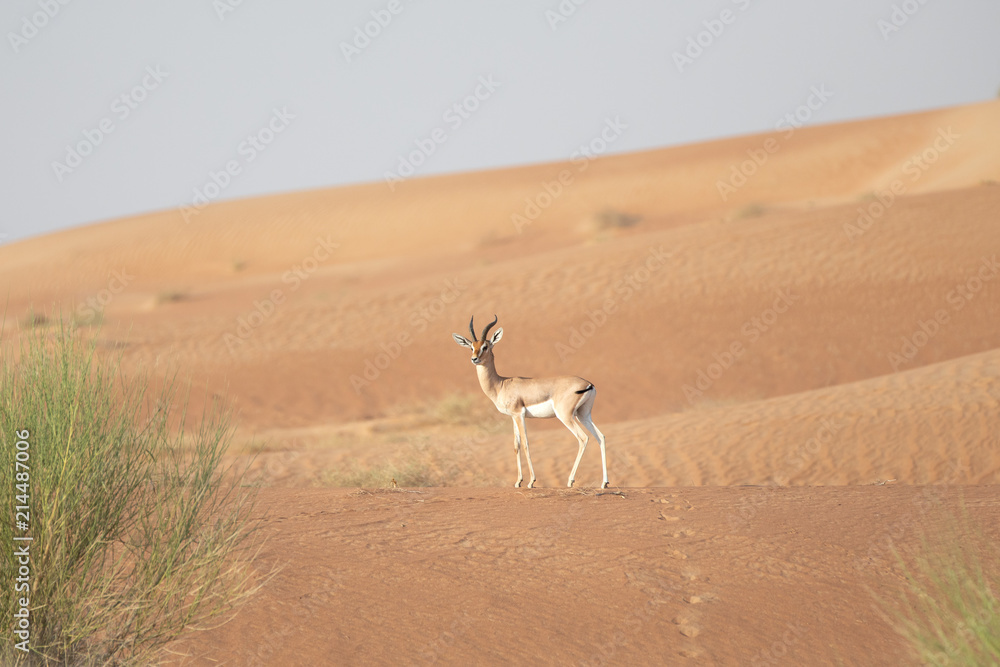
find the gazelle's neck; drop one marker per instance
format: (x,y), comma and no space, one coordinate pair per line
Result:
(489,380)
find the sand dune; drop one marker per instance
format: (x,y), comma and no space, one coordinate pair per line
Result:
(442,215)
(848,306)
(816,308)
(935,424)
(702,576)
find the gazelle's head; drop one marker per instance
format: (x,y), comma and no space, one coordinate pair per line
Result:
(482,349)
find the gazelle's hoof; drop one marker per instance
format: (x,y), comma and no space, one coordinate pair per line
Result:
(517,484)
(569,484)
(605,485)
(531,484)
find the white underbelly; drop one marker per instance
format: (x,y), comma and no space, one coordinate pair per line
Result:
(541,410)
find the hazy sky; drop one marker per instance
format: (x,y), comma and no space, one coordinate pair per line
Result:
(116,108)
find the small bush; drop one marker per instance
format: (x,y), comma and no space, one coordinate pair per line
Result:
(95,318)
(138,533)
(171,296)
(425,463)
(33,319)
(754,210)
(613,219)
(450,410)
(409,474)
(460,409)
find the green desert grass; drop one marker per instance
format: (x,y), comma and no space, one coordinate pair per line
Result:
(753,210)
(425,461)
(610,218)
(461,409)
(441,443)
(138,531)
(454,412)
(948,609)
(94,320)
(412,473)
(32,319)
(171,296)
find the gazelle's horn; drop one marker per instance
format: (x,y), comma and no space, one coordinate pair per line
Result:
(472,329)
(488,327)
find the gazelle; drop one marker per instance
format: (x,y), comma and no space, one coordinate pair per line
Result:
(567,398)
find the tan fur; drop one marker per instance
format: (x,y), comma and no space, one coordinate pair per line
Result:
(514,395)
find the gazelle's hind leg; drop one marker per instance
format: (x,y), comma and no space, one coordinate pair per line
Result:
(517,454)
(583,414)
(589,423)
(581,436)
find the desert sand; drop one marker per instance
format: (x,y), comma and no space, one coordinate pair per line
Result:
(794,339)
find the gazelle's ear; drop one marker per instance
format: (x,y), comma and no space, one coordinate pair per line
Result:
(461,341)
(497,335)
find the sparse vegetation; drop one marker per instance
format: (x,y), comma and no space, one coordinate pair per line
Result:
(753,210)
(32,319)
(92,319)
(445,455)
(407,474)
(948,610)
(456,409)
(171,296)
(460,409)
(429,462)
(611,218)
(137,531)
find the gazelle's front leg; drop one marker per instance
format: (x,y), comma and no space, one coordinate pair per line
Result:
(517,453)
(519,420)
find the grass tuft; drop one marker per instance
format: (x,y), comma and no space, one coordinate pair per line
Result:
(948,610)
(171,296)
(610,218)
(406,474)
(457,409)
(32,319)
(754,210)
(138,532)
